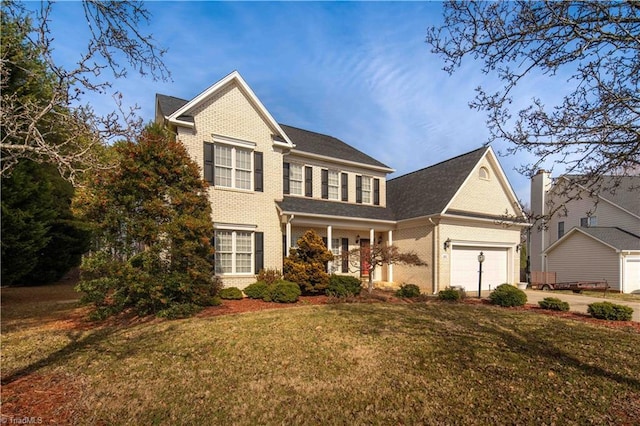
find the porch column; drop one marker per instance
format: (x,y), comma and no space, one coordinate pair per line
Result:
(288,236)
(372,241)
(329,247)
(390,266)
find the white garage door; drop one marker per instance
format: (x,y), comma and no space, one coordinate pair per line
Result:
(632,275)
(464,267)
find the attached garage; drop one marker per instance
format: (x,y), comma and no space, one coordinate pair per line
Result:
(631,274)
(465,267)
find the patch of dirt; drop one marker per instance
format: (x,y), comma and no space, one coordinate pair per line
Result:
(229,307)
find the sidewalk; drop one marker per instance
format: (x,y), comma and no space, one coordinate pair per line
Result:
(579,303)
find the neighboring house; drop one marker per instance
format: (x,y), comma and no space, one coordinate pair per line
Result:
(588,238)
(271,182)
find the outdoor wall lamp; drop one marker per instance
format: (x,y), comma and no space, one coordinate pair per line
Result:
(380,240)
(447,244)
(480,260)
(357,238)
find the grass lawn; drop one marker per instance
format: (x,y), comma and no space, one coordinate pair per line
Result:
(380,363)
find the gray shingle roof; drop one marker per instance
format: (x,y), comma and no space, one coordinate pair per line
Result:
(317,143)
(428,191)
(616,237)
(170,104)
(334,208)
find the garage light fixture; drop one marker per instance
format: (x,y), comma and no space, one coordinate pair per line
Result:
(447,244)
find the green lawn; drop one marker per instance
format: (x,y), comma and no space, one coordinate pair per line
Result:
(428,363)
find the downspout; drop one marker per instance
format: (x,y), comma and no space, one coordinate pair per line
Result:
(434,255)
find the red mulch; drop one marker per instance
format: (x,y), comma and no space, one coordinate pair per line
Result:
(52,398)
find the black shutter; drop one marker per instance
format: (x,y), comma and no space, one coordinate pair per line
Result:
(345,255)
(345,187)
(259,260)
(324,240)
(359,189)
(376,192)
(325,184)
(208,162)
(258,181)
(308,181)
(285,178)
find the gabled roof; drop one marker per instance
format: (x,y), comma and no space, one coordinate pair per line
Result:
(428,191)
(329,147)
(614,237)
(622,191)
(182,115)
(334,209)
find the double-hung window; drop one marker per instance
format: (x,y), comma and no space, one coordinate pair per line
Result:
(234,252)
(233,167)
(333,185)
(295,179)
(366,190)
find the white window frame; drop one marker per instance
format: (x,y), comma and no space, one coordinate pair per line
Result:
(336,246)
(367,194)
(294,180)
(236,170)
(235,252)
(333,188)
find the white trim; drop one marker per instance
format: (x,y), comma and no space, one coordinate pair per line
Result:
(336,218)
(233,77)
(225,140)
(234,227)
(341,161)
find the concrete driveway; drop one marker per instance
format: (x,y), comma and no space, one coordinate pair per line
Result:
(579,303)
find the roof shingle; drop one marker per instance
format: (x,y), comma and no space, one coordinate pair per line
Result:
(333,208)
(615,237)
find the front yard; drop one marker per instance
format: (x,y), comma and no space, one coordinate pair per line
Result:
(380,363)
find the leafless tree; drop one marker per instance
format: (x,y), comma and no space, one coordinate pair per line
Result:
(595,131)
(59,127)
(377,255)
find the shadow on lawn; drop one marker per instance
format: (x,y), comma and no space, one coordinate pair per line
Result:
(466,332)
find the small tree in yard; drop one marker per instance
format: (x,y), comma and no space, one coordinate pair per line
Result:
(306,265)
(153,227)
(378,255)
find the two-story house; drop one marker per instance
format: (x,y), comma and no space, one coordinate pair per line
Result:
(269,183)
(586,237)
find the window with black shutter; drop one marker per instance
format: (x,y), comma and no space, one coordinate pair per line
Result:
(376,192)
(208,162)
(258,183)
(259,251)
(359,189)
(345,186)
(308,181)
(345,255)
(285,178)
(325,184)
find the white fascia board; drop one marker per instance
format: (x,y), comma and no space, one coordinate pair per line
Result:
(485,220)
(327,218)
(233,141)
(234,226)
(502,177)
(234,76)
(341,161)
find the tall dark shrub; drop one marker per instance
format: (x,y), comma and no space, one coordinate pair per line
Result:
(306,264)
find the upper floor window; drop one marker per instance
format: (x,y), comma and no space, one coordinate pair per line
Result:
(333,184)
(295,179)
(366,190)
(483,173)
(586,222)
(231,166)
(560,229)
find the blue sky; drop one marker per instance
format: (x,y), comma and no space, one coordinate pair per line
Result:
(359,71)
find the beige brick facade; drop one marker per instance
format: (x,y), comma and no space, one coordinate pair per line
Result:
(230,115)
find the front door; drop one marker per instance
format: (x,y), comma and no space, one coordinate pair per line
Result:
(364,258)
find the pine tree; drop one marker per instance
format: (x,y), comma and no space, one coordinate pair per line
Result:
(306,265)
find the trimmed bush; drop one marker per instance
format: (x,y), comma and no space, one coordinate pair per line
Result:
(408,290)
(610,311)
(343,286)
(554,304)
(283,292)
(231,293)
(257,290)
(507,295)
(452,294)
(269,276)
